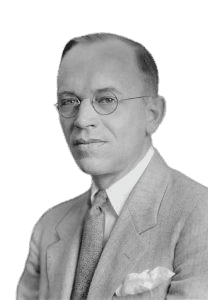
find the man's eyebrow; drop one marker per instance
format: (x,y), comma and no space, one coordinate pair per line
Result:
(97,91)
(65,93)
(108,89)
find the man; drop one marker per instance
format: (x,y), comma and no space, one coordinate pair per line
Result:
(139,214)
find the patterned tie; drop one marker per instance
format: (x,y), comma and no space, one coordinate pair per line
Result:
(91,247)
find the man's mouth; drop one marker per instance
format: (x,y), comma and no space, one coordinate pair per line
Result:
(81,141)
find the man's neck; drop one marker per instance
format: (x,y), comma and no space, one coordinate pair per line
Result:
(104,181)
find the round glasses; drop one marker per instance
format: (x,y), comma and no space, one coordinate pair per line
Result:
(68,106)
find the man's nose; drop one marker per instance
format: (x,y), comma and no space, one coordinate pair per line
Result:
(86,115)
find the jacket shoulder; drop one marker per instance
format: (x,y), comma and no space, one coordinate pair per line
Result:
(55,214)
(183,195)
(187,185)
(186,195)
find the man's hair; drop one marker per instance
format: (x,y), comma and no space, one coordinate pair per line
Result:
(144,59)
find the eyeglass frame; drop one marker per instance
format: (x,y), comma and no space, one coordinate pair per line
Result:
(92,100)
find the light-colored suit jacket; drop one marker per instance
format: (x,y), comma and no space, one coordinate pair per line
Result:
(163,223)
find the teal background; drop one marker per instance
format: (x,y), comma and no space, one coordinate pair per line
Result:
(37,170)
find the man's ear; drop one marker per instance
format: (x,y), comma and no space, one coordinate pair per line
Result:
(155,112)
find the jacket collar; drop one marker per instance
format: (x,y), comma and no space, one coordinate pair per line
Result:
(145,199)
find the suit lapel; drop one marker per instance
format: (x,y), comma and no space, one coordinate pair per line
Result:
(63,252)
(128,241)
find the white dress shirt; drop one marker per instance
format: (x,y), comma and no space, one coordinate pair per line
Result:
(119,192)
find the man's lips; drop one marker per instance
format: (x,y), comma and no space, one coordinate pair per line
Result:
(81,141)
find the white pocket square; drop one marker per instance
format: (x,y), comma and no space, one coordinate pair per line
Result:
(137,283)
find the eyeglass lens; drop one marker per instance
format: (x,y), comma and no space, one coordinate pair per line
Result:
(69,106)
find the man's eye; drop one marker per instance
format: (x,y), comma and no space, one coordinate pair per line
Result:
(105,100)
(69,101)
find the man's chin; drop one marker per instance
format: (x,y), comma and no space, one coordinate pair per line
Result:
(91,166)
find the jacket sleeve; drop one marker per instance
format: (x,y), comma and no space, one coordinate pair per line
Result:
(28,287)
(191,257)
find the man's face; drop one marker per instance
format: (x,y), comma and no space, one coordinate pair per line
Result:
(120,139)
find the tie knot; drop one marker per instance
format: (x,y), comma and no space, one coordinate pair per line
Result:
(100,199)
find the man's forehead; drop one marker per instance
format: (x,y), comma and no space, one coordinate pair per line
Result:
(89,66)
(103,51)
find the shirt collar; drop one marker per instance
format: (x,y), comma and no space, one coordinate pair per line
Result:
(120,190)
